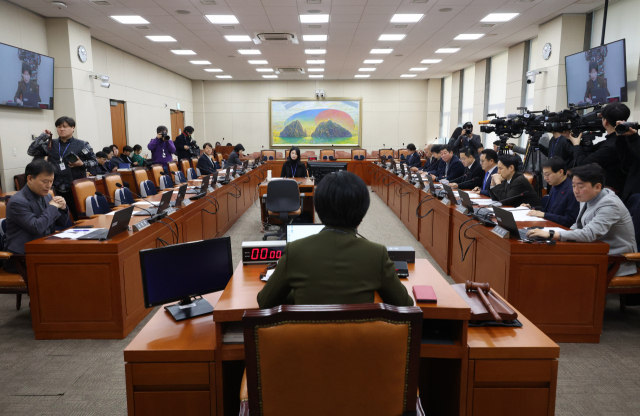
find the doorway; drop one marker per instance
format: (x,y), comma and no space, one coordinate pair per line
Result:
(118,125)
(177,123)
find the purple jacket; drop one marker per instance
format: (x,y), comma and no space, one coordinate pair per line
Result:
(161,150)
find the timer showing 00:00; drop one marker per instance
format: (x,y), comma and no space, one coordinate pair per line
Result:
(265,254)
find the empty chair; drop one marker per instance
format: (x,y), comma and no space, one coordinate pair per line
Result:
(387,153)
(124,197)
(192,174)
(96,205)
(404,153)
(147,188)
(110,181)
(268,155)
(157,171)
(166,182)
(179,177)
(173,167)
(358,154)
(286,154)
(139,175)
(185,164)
(327,154)
(83,189)
(284,202)
(19,181)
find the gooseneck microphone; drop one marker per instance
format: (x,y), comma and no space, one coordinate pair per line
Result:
(154,217)
(515,196)
(98,193)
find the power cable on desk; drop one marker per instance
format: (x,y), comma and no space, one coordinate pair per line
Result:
(162,241)
(426,199)
(464,254)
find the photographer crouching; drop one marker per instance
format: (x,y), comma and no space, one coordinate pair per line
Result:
(69,156)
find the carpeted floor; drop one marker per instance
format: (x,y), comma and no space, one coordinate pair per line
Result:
(86,377)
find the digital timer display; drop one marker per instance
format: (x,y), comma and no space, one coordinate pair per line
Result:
(262,251)
(265,254)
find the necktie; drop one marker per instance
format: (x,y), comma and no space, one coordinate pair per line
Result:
(484,184)
(579,219)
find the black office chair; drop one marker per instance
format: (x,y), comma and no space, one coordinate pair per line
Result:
(283,201)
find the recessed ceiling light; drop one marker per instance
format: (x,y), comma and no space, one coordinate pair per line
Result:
(381,51)
(130,20)
(362,76)
(161,38)
(499,17)
(315,69)
(270,76)
(406,18)
(200,62)
(418,69)
(469,36)
(430,61)
(366,69)
(213,69)
(222,19)
(447,50)
(264,69)
(315,18)
(391,37)
(315,51)
(183,51)
(249,52)
(224,76)
(258,62)
(314,38)
(315,61)
(316,76)
(407,75)
(373,61)
(238,38)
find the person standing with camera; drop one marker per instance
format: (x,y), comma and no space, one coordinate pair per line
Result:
(183,143)
(69,156)
(162,148)
(468,139)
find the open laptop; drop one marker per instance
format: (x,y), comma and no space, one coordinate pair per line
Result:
(599,95)
(119,224)
(181,193)
(432,188)
(165,201)
(296,232)
(505,220)
(402,172)
(30,99)
(204,185)
(450,195)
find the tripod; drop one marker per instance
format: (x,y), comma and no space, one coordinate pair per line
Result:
(533,155)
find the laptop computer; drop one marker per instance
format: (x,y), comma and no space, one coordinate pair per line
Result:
(204,185)
(420,181)
(505,220)
(402,172)
(119,224)
(465,201)
(30,99)
(296,232)
(164,204)
(181,193)
(432,188)
(450,195)
(599,95)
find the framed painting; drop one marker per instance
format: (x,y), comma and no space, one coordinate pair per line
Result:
(308,122)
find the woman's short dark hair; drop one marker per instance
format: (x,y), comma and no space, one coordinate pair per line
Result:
(137,147)
(127,149)
(411,147)
(160,129)
(555,163)
(341,200)
(64,119)
(294,148)
(26,68)
(37,167)
(238,148)
(189,129)
(102,155)
(592,173)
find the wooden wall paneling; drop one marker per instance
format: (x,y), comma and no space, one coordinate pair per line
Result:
(118,124)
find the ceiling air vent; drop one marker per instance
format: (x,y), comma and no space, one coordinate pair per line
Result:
(289,71)
(314,1)
(419,1)
(208,2)
(101,3)
(400,26)
(228,27)
(315,26)
(275,37)
(487,25)
(142,27)
(183,12)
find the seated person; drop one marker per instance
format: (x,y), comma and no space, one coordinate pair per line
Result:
(412,159)
(450,167)
(346,269)
(293,167)
(117,157)
(489,163)
(206,163)
(33,213)
(509,184)
(473,173)
(430,156)
(138,159)
(561,205)
(234,157)
(126,156)
(102,168)
(602,217)
(111,164)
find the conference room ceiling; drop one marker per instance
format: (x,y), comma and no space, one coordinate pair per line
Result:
(353,30)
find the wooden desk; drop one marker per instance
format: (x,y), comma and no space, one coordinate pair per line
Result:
(306,187)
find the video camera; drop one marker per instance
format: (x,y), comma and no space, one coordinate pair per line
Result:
(589,124)
(513,125)
(194,149)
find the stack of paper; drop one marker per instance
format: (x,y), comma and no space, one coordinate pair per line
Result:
(233,334)
(75,233)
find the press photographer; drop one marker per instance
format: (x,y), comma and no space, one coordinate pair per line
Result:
(468,139)
(162,148)
(185,144)
(628,146)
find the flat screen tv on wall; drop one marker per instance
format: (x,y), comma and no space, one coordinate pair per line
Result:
(26,78)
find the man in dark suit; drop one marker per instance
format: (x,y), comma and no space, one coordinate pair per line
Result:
(451,167)
(182,143)
(509,184)
(102,168)
(473,173)
(206,164)
(489,163)
(413,160)
(432,153)
(560,206)
(468,139)
(346,269)
(33,213)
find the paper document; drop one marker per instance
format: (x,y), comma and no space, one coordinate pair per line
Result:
(482,202)
(521,215)
(75,233)
(146,203)
(556,229)
(268,275)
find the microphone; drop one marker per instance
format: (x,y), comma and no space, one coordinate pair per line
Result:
(119,185)
(515,196)
(460,177)
(98,193)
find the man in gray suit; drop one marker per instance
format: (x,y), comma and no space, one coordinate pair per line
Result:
(32,213)
(602,217)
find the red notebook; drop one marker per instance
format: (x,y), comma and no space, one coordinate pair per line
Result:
(425,293)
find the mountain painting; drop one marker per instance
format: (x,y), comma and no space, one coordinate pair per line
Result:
(315,123)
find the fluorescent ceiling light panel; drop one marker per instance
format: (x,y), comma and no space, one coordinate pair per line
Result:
(407,75)
(366,69)
(200,62)
(418,69)
(224,76)
(264,69)
(315,69)
(238,38)
(447,50)
(258,62)
(316,76)
(362,76)
(499,17)
(469,36)
(249,52)
(130,20)
(270,76)
(314,18)
(373,61)
(222,19)
(314,38)
(381,51)
(315,61)
(213,69)
(183,51)
(161,39)
(391,37)
(430,61)
(315,51)
(406,18)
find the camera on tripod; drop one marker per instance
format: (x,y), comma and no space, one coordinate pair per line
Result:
(589,124)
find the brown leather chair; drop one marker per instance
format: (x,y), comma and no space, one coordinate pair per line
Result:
(3,210)
(139,175)
(386,153)
(308,154)
(110,180)
(341,154)
(82,189)
(270,154)
(173,167)
(184,166)
(622,285)
(286,154)
(327,154)
(374,154)
(530,178)
(220,158)
(194,163)
(358,154)
(157,170)
(14,283)
(403,152)
(19,181)
(361,359)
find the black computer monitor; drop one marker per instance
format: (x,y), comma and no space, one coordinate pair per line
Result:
(182,271)
(319,169)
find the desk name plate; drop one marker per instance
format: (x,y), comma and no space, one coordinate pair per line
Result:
(500,232)
(141,225)
(462,210)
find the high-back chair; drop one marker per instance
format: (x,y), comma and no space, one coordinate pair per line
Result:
(194,162)
(341,154)
(327,154)
(157,171)
(110,181)
(185,164)
(19,181)
(358,154)
(96,205)
(403,153)
(268,155)
(10,283)
(192,174)
(139,175)
(284,202)
(179,177)
(173,167)
(219,157)
(83,189)
(372,368)
(124,197)
(286,154)
(307,154)
(387,153)
(166,182)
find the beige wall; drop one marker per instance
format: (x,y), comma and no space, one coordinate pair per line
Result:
(455,101)
(478,94)
(433,109)
(515,68)
(394,112)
